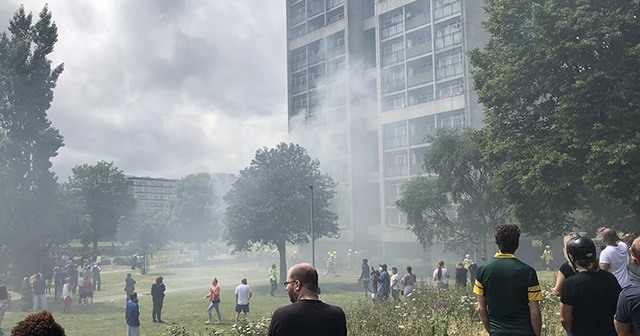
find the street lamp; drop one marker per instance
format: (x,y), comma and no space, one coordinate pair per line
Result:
(313,236)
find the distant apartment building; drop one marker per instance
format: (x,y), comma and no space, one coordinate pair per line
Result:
(370,81)
(154,193)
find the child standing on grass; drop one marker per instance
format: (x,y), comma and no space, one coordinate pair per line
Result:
(88,289)
(67,295)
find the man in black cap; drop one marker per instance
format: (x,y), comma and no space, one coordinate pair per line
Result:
(383,284)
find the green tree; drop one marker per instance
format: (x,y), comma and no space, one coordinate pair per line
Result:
(459,205)
(559,81)
(269,202)
(146,227)
(192,207)
(28,196)
(106,196)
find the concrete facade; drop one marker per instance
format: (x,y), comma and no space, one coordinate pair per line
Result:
(369,82)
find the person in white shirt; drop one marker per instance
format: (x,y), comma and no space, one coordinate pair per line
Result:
(615,257)
(243,295)
(395,284)
(441,275)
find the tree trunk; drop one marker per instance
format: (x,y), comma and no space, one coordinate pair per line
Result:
(282,250)
(95,246)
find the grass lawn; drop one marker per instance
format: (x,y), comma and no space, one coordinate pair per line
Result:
(184,303)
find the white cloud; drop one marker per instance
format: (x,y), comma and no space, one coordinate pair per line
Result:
(166,88)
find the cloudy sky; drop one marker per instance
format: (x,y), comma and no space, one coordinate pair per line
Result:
(166,88)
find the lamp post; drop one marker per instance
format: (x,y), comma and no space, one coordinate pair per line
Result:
(313,236)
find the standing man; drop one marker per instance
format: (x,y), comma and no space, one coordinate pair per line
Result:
(383,284)
(627,318)
(273,278)
(243,295)
(133,315)
(615,257)
(97,279)
(39,297)
(307,315)
(364,276)
(157,295)
(395,284)
(508,291)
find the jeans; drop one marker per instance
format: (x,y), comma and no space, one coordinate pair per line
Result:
(133,331)
(40,300)
(217,307)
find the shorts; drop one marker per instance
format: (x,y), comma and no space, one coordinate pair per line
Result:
(68,300)
(242,308)
(365,284)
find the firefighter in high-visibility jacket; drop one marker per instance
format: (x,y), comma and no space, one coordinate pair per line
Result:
(273,279)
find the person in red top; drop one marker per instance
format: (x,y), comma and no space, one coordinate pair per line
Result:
(214,299)
(88,289)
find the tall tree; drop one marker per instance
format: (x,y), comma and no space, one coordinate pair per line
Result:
(459,205)
(146,227)
(192,207)
(27,80)
(269,202)
(559,81)
(106,196)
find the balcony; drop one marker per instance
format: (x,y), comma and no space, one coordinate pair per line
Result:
(395,142)
(449,70)
(393,58)
(422,78)
(393,85)
(419,49)
(448,9)
(394,30)
(417,19)
(449,40)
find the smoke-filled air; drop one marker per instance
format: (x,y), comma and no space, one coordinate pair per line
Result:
(319,167)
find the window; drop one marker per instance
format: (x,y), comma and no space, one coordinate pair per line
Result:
(451,120)
(300,102)
(392,24)
(451,28)
(450,89)
(334,3)
(336,16)
(450,65)
(336,44)
(299,82)
(336,66)
(395,135)
(396,164)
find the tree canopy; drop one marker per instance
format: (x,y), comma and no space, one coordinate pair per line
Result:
(28,196)
(458,206)
(106,197)
(270,201)
(192,210)
(559,81)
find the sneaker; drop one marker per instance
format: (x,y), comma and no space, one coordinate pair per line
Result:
(208,322)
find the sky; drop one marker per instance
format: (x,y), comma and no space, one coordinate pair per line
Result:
(166,88)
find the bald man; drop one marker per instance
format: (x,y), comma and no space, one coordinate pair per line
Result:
(615,257)
(306,315)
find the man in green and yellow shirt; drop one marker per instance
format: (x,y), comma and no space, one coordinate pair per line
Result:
(508,291)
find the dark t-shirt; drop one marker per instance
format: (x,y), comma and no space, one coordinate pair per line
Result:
(308,318)
(593,296)
(461,275)
(567,270)
(157,291)
(629,307)
(39,286)
(365,273)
